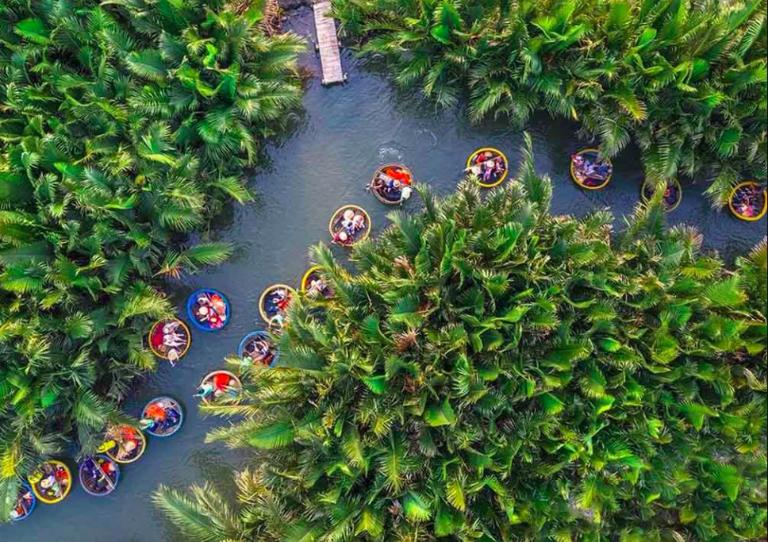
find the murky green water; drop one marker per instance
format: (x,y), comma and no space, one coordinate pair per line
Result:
(346,132)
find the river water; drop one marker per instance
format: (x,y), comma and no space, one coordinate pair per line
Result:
(344,133)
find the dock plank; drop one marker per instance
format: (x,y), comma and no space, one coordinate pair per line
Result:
(328,44)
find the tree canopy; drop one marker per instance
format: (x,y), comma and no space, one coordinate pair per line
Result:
(686,80)
(124,125)
(494,372)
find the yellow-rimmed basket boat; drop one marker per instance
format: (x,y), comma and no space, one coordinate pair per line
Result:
(62,485)
(760,207)
(672,198)
(588,183)
(489,153)
(336,229)
(313,273)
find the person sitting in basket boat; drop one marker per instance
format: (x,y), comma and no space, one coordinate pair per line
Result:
(175,340)
(399,174)
(487,167)
(351,224)
(53,480)
(125,440)
(748,200)
(211,308)
(358,223)
(160,416)
(589,171)
(393,188)
(98,474)
(346,221)
(260,351)
(281,299)
(342,238)
(23,503)
(317,288)
(214,388)
(126,449)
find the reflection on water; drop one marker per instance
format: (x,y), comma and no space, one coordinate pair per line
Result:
(345,133)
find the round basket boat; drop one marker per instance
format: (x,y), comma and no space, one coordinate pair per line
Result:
(274,302)
(167,426)
(388,184)
(208,309)
(748,201)
(51,482)
(591,156)
(488,174)
(253,347)
(169,339)
(313,284)
(124,444)
(344,236)
(99,475)
(673,195)
(25,503)
(218,385)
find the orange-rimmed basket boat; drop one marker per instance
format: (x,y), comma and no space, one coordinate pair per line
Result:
(156,335)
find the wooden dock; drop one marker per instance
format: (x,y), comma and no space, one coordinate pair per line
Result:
(328,43)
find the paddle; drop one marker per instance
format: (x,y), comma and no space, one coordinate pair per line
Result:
(110,484)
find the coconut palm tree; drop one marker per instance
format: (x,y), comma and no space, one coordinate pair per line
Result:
(494,372)
(685,80)
(125,126)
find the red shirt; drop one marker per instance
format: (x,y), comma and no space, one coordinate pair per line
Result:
(220,381)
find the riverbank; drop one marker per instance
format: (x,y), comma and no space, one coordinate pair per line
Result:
(344,133)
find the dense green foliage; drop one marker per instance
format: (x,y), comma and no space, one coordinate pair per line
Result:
(124,125)
(685,79)
(496,373)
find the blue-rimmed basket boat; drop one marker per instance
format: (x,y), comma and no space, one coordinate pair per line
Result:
(108,471)
(220,304)
(27,507)
(256,335)
(169,403)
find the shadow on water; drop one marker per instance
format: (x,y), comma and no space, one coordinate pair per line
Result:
(344,134)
